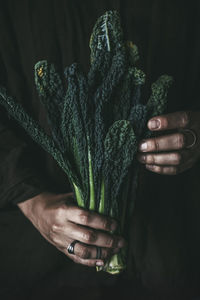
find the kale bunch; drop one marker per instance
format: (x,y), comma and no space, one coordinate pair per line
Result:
(96,121)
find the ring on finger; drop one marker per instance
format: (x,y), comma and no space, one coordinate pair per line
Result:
(71,246)
(194,136)
(99,252)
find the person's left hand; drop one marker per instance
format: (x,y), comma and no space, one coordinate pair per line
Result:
(177,148)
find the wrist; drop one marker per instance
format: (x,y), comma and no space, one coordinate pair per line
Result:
(30,206)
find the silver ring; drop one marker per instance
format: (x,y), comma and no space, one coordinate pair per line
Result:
(193,135)
(71,246)
(98,256)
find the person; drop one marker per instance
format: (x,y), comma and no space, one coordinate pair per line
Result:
(39,220)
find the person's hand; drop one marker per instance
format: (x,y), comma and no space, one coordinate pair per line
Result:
(177,148)
(61,222)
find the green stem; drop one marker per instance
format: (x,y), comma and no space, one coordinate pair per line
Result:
(91,183)
(102,198)
(79,198)
(115,264)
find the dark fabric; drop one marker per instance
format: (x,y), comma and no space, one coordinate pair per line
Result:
(165,245)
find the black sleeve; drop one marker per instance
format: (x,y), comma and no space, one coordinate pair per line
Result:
(20,174)
(20,159)
(20,177)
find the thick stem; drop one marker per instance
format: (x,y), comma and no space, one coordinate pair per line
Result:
(79,198)
(102,198)
(91,183)
(115,264)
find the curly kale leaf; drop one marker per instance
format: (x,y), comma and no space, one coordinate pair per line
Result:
(158,99)
(16,110)
(51,92)
(120,145)
(75,126)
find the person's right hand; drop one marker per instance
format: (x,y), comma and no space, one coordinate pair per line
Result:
(61,221)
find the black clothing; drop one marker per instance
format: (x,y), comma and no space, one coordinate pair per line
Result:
(165,237)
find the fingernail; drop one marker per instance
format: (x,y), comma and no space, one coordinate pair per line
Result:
(154,124)
(100,263)
(143,146)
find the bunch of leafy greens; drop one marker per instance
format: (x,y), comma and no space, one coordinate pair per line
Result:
(96,121)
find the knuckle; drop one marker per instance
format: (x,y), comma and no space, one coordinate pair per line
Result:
(180,140)
(54,228)
(106,224)
(84,253)
(184,119)
(110,242)
(150,159)
(89,236)
(60,210)
(156,144)
(53,231)
(159,169)
(59,214)
(84,217)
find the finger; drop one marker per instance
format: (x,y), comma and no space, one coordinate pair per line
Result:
(90,252)
(87,262)
(79,260)
(169,170)
(170,121)
(169,142)
(92,237)
(163,170)
(90,219)
(171,158)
